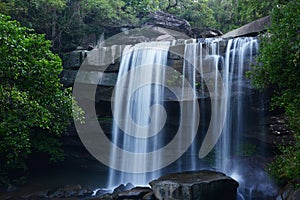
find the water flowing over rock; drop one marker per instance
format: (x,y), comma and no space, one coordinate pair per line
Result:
(195,185)
(140,103)
(214,70)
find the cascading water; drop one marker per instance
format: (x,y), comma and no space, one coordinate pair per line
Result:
(231,63)
(137,114)
(137,110)
(235,83)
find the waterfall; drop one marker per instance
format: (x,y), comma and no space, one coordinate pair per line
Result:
(236,85)
(137,112)
(214,68)
(231,64)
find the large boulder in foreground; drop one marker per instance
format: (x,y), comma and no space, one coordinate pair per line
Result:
(204,185)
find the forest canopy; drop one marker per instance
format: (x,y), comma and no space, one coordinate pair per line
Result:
(67,22)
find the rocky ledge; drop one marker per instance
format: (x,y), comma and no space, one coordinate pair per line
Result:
(204,185)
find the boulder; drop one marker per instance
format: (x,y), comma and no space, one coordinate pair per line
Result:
(68,191)
(11,188)
(206,33)
(166,20)
(289,193)
(202,185)
(145,34)
(36,195)
(134,193)
(120,188)
(251,29)
(149,196)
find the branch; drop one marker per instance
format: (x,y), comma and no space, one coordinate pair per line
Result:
(171,6)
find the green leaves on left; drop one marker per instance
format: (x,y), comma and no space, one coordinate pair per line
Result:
(34,109)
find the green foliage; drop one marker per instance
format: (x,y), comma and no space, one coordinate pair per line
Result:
(280,60)
(67,22)
(198,13)
(107,12)
(34,109)
(140,8)
(231,14)
(279,68)
(286,167)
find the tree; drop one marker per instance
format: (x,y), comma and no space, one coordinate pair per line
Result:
(279,68)
(198,13)
(34,109)
(141,9)
(231,14)
(67,22)
(41,15)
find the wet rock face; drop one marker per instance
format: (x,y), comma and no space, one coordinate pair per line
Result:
(195,185)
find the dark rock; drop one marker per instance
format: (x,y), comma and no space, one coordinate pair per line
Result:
(164,34)
(11,188)
(71,193)
(108,196)
(207,33)
(134,193)
(287,193)
(278,126)
(297,195)
(89,40)
(57,194)
(103,197)
(251,29)
(66,191)
(149,196)
(74,59)
(67,77)
(72,187)
(90,48)
(195,185)
(169,21)
(84,192)
(120,188)
(129,186)
(145,34)
(8,198)
(36,195)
